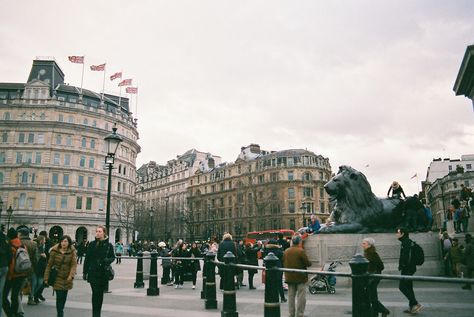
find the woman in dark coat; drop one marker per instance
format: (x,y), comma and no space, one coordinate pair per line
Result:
(251,254)
(99,254)
(195,265)
(375,266)
(226,245)
(182,266)
(63,257)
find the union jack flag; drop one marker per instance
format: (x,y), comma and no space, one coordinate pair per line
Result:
(76,59)
(98,68)
(116,75)
(131,90)
(125,82)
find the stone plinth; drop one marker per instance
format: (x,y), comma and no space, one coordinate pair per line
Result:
(325,248)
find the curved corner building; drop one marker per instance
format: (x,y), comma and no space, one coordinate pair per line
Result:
(52,152)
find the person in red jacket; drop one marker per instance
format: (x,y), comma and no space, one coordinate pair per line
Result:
(14,279)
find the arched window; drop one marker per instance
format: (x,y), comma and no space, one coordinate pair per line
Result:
(307,176)
(24,177)
(84,142)
(92,144)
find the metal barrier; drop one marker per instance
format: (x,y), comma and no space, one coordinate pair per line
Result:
(358,275)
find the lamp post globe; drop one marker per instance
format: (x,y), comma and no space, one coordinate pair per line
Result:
(113,140)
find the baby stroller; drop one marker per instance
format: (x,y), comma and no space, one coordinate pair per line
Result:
(324,283)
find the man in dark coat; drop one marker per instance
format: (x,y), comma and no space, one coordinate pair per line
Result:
(407,267)
(273,247)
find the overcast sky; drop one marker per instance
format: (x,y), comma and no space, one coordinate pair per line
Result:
(364,83)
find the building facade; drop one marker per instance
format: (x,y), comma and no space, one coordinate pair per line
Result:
(52,153)
(444,190)
(162,192)
(441,167)
(261,190)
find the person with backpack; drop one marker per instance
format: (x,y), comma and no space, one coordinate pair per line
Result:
(63,258)
(32,248)
(407,266)
(15,277)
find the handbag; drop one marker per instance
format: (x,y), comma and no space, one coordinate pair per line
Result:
(53,273)
(109,272)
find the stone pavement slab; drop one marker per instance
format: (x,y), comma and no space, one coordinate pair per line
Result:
(439,300)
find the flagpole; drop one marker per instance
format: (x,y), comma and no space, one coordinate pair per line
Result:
(82,77)
(136,104)
(103,83)
(120,96)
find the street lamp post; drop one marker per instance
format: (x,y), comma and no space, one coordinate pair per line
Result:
(113,140)
(304,209)
(1,209)
(152,212)
(166,218)
(9,212)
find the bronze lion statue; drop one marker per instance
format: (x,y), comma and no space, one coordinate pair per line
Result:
(356,207)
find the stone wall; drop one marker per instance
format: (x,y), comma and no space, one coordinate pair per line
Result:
(324,248)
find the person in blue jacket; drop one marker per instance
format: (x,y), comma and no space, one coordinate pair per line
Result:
(315,225)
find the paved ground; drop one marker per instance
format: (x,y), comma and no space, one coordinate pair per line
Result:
(440,300)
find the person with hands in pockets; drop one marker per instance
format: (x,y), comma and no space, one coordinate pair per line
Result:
(99,255)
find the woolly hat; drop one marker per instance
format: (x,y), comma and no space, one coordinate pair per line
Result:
(12,234)
(24,231)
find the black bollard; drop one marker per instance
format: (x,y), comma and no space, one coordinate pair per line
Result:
(139,276)
(211,302)
(272,302)
(229,307)
(153,289)
(204,278)
(360,302)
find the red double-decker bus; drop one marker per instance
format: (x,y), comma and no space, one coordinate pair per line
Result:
(267,235)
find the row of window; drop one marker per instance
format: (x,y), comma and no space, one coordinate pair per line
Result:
(24,202)
(468,167)
(38,138)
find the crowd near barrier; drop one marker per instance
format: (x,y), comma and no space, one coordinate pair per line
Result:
(358,275)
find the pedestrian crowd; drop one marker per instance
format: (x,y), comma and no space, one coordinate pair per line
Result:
(28,266)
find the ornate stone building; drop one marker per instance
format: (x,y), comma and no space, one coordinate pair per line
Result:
(162,212)
(52,153)
(441,192)
(261,190)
